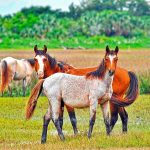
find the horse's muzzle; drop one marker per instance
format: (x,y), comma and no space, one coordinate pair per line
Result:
(40,75)
(111,72)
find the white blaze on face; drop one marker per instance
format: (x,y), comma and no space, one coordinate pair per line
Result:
(41,64)
(111,57)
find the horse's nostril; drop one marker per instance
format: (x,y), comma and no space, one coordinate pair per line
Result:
(40,74)
(111,72)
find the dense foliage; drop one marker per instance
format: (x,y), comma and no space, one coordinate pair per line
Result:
(93,18)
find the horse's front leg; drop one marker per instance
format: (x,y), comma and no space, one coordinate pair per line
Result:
(107,115)
(93,106)
(73,119)
(46,120)
(10,90)
(106,109)
(24,84)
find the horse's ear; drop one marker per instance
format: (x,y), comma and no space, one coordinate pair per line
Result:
(45,49)
(107,49)
(116,49)
(35,48)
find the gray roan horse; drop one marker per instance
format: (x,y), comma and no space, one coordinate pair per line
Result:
(14,69)
(76,92)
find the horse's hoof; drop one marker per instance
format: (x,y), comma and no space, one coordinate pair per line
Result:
(43,141)
(124,132)
(62,137)
(76,132)
(108,134)
(89,136)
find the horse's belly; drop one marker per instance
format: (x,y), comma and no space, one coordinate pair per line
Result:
(77,102)
(18,76)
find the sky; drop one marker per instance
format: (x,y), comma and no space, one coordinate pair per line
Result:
(13,6)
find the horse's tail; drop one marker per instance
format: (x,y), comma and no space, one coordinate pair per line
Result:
(31,104)
(132,93)
(4,75)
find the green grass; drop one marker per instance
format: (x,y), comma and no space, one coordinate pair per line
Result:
(95,42)
(17,133)
(144,80)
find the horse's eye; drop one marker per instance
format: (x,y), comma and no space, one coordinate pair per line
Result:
(44,59)
(116,58)
(35,59)
(107,58)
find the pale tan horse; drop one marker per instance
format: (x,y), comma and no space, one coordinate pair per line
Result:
(14,69)
(76,92)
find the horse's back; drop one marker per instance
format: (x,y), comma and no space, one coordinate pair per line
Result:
(61,77)
(17,67)
(11,63)
(9,60)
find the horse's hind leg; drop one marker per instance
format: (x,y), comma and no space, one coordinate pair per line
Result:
(71,115)
(114,115)
(92,117)
(124,118)
(61,114)
(107,116)
(73,119)
(46,120)
(55,107)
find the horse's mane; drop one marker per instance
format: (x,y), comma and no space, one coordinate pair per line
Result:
(52,61)
(31,61)
(99,73)
(62,65)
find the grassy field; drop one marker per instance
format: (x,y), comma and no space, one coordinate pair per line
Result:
(17,133)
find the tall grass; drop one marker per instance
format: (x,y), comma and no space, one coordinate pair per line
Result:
(144,81)
(17,87)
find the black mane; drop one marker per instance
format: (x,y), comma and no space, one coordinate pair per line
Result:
(52,61)
(61,65)
(31,61)
(99,73)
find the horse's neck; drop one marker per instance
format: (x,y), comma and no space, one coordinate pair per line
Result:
(29,67)
(108,79)
(49,72)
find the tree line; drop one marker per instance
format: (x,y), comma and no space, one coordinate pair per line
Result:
(128,18)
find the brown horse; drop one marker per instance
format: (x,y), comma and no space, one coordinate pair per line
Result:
(15,69)
(123,80)
(77,91)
